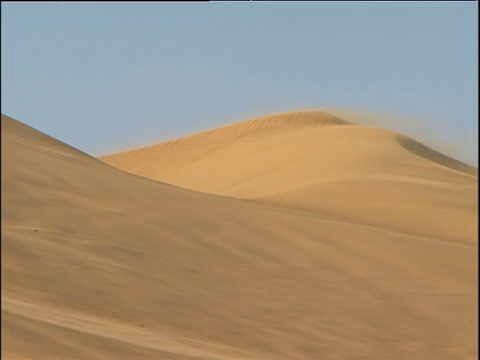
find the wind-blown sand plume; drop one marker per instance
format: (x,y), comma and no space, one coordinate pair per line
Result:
(412,126)
(100,264)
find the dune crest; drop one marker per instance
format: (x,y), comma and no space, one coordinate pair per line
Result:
(265,124)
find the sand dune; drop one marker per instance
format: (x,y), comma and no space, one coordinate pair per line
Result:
(305,160)
(98,263)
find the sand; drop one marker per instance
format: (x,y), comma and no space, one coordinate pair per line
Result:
(292,236)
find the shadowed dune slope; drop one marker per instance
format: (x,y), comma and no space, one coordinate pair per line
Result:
(306,160)
(98,263)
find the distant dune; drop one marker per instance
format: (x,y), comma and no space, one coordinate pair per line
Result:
(305,160)
(292,236)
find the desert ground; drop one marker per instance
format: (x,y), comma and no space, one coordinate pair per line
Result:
(290,236)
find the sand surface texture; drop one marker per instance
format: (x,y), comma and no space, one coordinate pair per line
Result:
(292,236)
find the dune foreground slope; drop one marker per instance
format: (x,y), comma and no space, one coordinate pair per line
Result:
(295,236)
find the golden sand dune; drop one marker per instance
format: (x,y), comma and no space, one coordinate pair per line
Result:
(305,160)
(102,264)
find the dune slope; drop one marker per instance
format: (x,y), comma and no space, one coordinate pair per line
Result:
(98,263)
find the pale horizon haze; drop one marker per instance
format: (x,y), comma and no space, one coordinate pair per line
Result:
(104,77)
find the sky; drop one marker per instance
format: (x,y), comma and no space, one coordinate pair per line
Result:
(105,77)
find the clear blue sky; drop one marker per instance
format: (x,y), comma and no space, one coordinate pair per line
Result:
(109,76)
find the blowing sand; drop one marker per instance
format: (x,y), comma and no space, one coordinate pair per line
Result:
(292,236)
